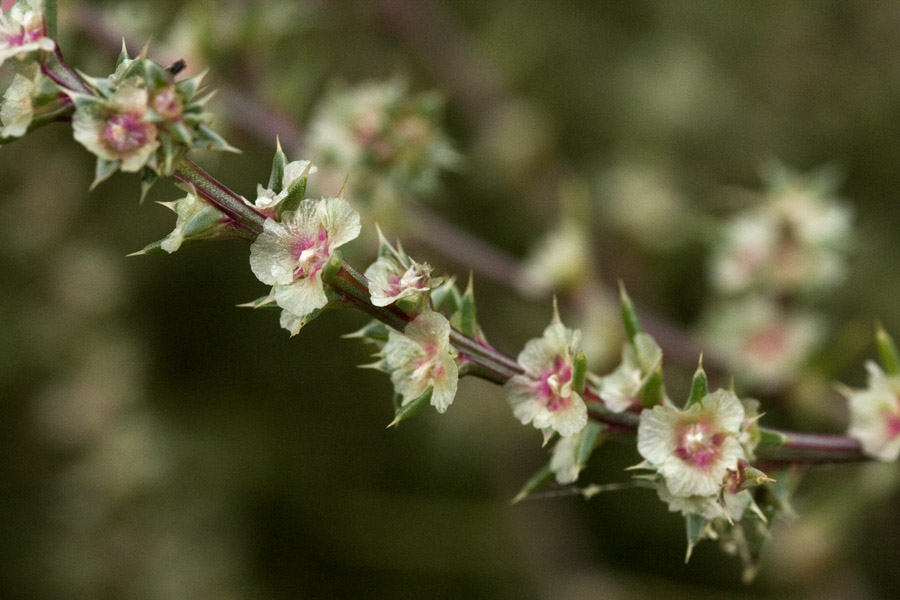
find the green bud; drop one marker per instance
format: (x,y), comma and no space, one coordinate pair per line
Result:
(699,386)
(887,351)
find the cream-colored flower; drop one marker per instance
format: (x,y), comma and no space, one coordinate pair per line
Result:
(875,415)
(17,109)
(117,129)
(640,359)
(422,357)
(693,448)
(543,394)
(289,255)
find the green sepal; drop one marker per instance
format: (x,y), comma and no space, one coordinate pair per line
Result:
(695,526)
(278,163)
(155,75)
(699,387)
(591,437)
(579,372)
(629,315)
(467,323)
(333,266)
(188,87)
(534,483)
(294,196)
(148,178)
(771,439)
(103,170)
(887,351)
(123,55)
(405,411)
(375,331)
(446,297)
(651,391)
(208,218)
(261,302)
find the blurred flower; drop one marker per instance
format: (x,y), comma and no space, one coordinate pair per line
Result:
(383,142)
(422,357)
(693,448)
(875,415)
(23,31)
(290,254)
(619,390)
(794,242)
(543,394)
(763,343)
(561,260)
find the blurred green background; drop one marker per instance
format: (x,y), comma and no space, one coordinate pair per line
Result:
(158,442)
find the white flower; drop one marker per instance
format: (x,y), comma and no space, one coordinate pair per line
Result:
(289,255)
(640,359)
(693,448)
(543,395)
(22,30)
(17,109)
(422,357)
(293,172)
(117,129)
(390,281)
(708,507)
(875,415)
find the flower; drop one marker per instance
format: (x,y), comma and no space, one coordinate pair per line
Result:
(290,254)
(693,448)
(640,358)
(395,275)
(765,343)
(543,394)
(22,30)
(875,415)
(729,505)
(117,129)
(294,172)
(422,357)
(17,109)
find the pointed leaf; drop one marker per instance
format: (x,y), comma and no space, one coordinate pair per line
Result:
(534,483)
(629,314)
(699,387)
(405,411)
(887,351)
(694,525)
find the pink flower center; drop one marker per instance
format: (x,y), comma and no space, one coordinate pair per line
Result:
(126,133)
(892,424)
(167,104)
(27,35)
(311,252)
(555,386)
(698,445)
(768,343)
(429,368)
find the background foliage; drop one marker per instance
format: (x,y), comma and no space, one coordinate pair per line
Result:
(158,442)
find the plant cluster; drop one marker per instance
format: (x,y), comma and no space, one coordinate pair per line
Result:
(709,458)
